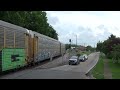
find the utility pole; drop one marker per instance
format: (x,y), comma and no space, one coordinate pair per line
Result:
(84,44)
(76,40)
(84,47)
(94,47)
(70,42)
(76,44)
(70,47)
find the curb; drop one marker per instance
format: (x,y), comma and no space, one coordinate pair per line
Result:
(88,73)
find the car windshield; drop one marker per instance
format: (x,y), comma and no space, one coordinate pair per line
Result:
(81,56)
(74,57)
(84,55)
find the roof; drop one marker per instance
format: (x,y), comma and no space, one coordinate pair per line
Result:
(9,25)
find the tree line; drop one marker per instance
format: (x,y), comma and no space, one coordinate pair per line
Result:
(88,48)
(111,48)
(32,20)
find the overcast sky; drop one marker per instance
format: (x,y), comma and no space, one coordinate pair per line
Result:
(89,26)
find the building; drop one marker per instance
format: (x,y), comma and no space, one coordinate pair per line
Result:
(82,48)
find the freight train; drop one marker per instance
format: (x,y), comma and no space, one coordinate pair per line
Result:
(21,47)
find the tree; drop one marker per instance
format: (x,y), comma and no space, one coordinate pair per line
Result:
(90,48)
(107,47)
(32,20)
(67,46)
(116,54)
(99,46)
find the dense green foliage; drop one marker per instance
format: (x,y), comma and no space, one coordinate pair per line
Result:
(116,54)
(115,69)
(90,48)
(70,45)
(110,47)
(32,20)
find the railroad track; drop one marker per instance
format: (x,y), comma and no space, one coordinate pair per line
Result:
(28,67)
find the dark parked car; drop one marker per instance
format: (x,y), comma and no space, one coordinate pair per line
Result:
(82,58)
(74,60)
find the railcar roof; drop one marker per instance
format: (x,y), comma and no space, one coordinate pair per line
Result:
(45,36)
(9,25)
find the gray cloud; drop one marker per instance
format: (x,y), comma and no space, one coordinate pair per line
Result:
(89,26)
(102,37)
(102,27)
(86,35)
(53,20)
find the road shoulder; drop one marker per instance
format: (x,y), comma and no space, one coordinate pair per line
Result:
(107,71)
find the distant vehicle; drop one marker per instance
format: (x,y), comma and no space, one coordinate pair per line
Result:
(74,60)
(85,56)
(72,47)
(82,58)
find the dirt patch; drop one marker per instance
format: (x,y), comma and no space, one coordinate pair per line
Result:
(55,63)
(107,72)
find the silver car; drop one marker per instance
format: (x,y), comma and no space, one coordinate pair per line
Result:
(85,56)
(74,60)
(82,58)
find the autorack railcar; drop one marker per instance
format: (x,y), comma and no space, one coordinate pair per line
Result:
(12,46)
(20,47)
(45,47)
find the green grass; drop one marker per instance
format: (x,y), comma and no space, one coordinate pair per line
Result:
(115,69)
(84,52)
(98,70)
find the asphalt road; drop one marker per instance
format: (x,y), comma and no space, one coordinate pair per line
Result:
(61,72)
(84,67)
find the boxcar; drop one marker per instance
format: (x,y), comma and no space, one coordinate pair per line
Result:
(12,46)
(45,47)
(20,47)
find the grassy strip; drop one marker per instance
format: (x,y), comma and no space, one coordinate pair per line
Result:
(115,69)
(98,70)
(84,52)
